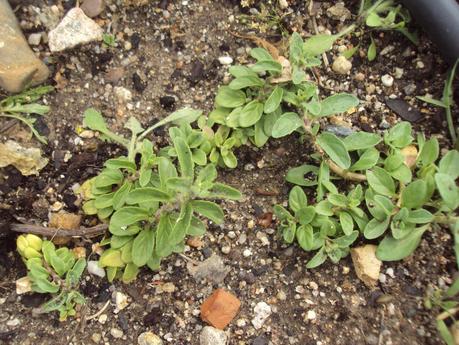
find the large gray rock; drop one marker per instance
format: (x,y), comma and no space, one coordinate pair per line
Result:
(76,28)
(19,67)
(212,336)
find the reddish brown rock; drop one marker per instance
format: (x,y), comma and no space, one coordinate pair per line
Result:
(220,308)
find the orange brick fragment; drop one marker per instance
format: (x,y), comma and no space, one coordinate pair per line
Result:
(220,308)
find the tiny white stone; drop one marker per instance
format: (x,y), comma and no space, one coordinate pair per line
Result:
(420,64)
(95,269)
(212,336)
(283,3)
(246,253)
(311,315)
(398,73)
(123,94)
(13,323)
(387,80)
(262,311)
(23,285)
(226,249)
(116,333)
(225,60)
(241,323)
(382,278)
(231,234)
(103,319)
(34,39)
(121,300)
(390,272)
(341,65)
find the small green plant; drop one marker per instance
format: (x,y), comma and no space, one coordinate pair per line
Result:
(446,102)
(256,105)
(109,40)
(447,303)
(404,194)
(54,271)
(20,107)
(149,205)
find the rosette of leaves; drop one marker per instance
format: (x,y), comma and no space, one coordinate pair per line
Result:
(273,98)
(405,190)
(54,271)
(151,206)
(328,227)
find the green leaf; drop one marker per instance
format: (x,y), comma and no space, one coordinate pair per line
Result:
(260,138)
(430,151)
(432,101)
(185,115)
(94,120)
(296,48)
(347,240)
(420,216)
(243,82)
(274,100)
(223,191)
(267,66)
(448,190)
(414,195)
(199,156)
(74,275)
(181,225)
(119,241)
(318,259)
(281,213)
(104,200)
(197,227)
(338,200)
(371,53)
(108,177)
(250,114)
(154,263)
(142,247)
(111,258)
(361,141)
(318,44)
(146,195)
(298,75)
(338,103)
(126,216)
(120,196)
(289,232)
(399,136)
(335,149)
(297,199)
(324,208)
(286,124)
(305,237)
(374,20)
(260,54)
(376,228)
(381,182)
(133,125)
(184,156)
(209,210)
(367,160)
(445,333)
(55,303)
(391,249)
(305,175)
(241,71)
(305,215)
(449,164)
(347,224)
(228,98)
(229,159)
(120,163)
(166,170)
(130,273)
(164,244)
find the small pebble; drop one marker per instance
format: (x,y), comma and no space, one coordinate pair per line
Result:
(13,323)
(225,60)
(341,65)
(96,337)
(311,315)
(103,319)
(95,269)
(226,249)
(387,80)
(149,338)
(398,73)
(116,333)
(246,253)
(35,39)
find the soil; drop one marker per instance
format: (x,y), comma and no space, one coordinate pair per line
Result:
(171,49)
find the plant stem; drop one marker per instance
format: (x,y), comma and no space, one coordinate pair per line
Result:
(449,120)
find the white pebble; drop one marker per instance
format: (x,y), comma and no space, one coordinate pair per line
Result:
(398,73)
(311,315)
(246,253)
(390,272)
(226,249)
(225,60)
(262,311)
(116,333)
(34,39)
(95,269)
(341,65)
(387,80)
(121,300)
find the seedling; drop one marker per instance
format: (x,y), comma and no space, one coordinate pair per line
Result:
(446,102)
(20,107)
(54,271)
(149,205)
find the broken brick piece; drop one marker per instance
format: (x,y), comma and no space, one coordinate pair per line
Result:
(220,308)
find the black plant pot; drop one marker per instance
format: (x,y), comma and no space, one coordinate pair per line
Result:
(440,19)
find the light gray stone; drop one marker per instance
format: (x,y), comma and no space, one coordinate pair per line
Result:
(212,336)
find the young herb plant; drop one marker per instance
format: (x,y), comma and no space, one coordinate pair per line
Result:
(54,271)
(405,193)
(150,205)
(257,103)
(20,107)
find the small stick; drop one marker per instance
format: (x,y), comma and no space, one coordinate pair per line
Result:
(44,231)
(99,312)
(316,30)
